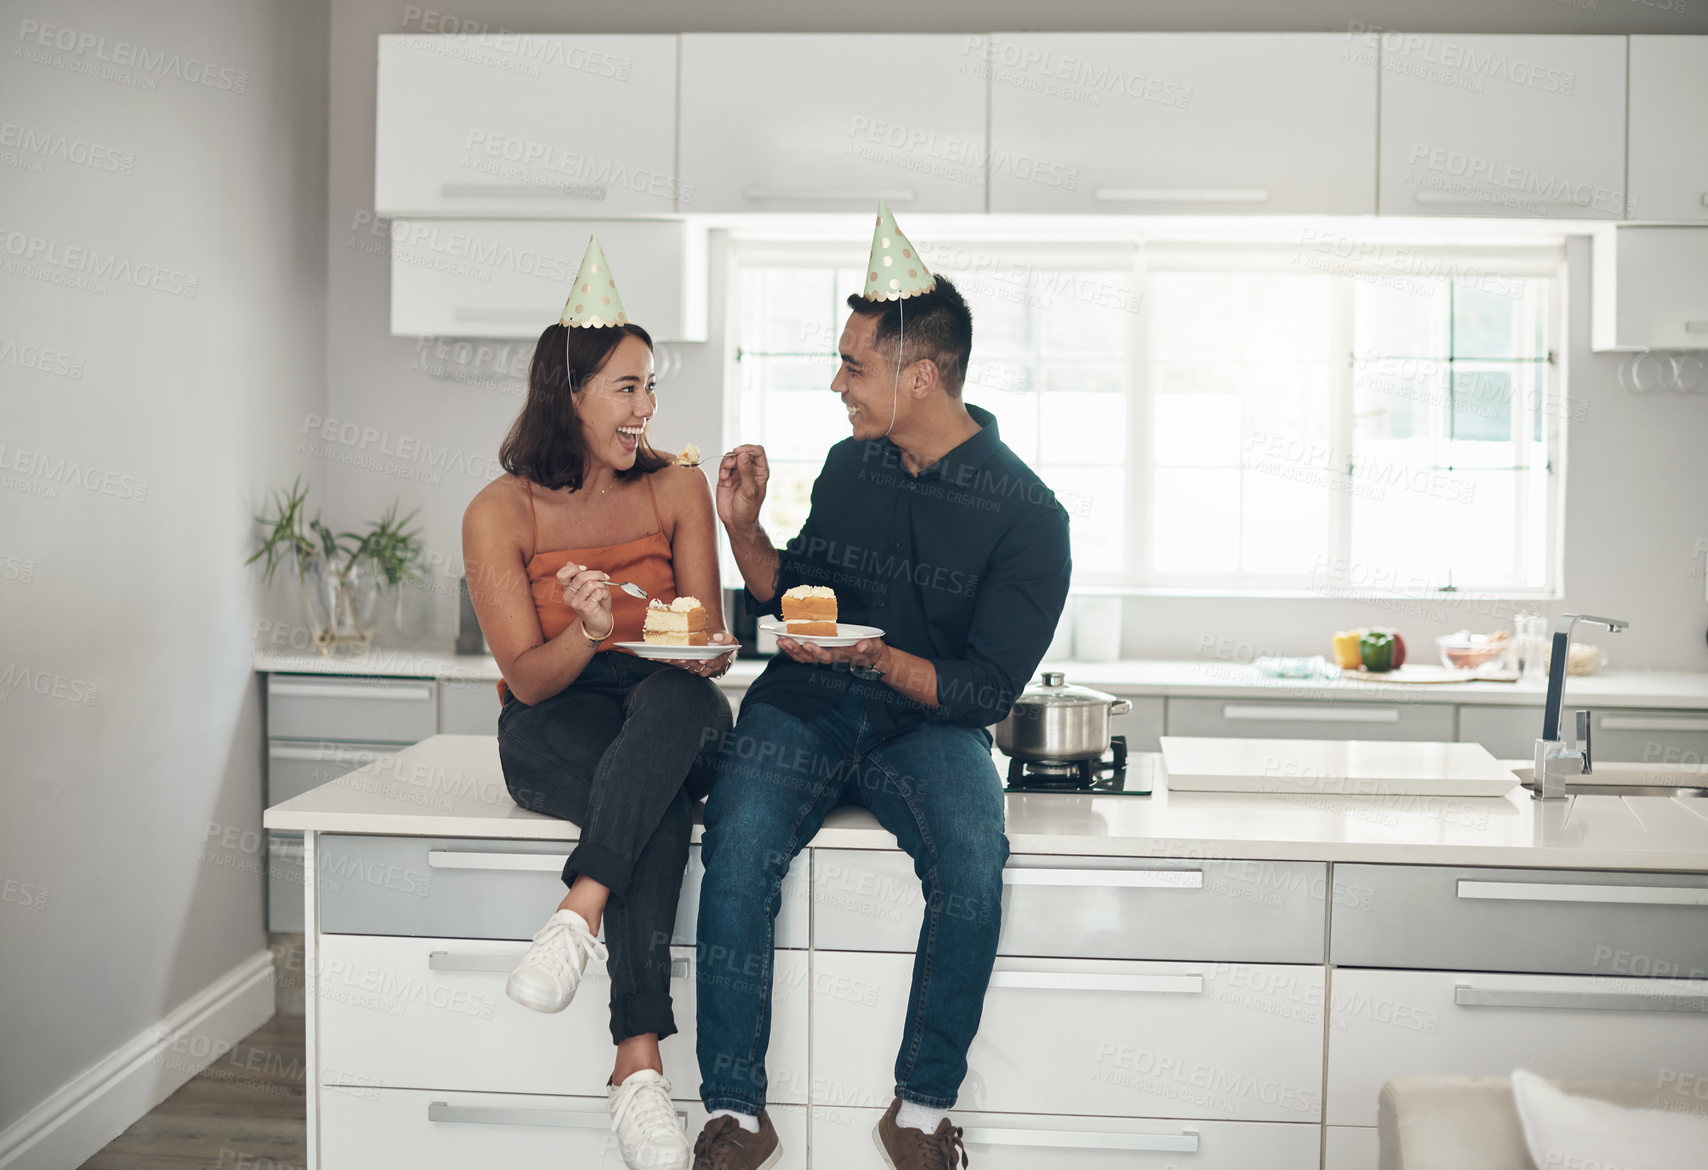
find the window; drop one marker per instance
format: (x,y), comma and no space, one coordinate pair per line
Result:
(1268,422)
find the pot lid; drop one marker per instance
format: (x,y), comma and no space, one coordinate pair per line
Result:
(1053,690)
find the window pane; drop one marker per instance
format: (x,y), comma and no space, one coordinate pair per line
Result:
(1284,528)
(803,426)
(1197,430)
(1498,317)
(1290,317)
(1189,316)
(1482,404)
(1195,521)
(1077,426)
(793,310)
(788,498)
(1078,312)
(1408,319)
(1396,398)
(1095,499)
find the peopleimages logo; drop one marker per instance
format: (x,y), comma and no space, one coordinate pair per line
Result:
(126,55)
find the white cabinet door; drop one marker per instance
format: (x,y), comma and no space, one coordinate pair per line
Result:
(1102,1038)
(425,1013)
(1669,128)
(842,1138)
(1503,126)
(1182,122)
(436,1130)
(787,122)
(1649,291)
(509,278)
(1387,1024)
(506,124)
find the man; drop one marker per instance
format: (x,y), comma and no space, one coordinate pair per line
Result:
(928,527)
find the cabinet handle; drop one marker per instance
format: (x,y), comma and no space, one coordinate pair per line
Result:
(307,690)
(1181,195)
(1083,981)
(547,1118)
(456,859)
(1449,199)
(503,964)
(519,191)
(1245,713)
(328,753)
(1588,1001)
(830,194)
(1654,722)
(1065,1139)
(1696,326)
(1174,879)
(1564,892)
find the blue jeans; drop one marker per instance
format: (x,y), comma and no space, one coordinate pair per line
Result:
(937,790)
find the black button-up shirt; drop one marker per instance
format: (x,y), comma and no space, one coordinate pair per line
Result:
(966,564)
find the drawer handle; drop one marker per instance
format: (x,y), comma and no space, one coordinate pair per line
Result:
(1181,195)
(1448,199)
(1246,713)
(519,191)
(307,690)
(457,859)
(1561,892)
(1697,326)
(1074,981)
(1066,1139)
(1174,879)
(549,1118)
(831,194)
(504,964)
(1650,722)
(1598,1001)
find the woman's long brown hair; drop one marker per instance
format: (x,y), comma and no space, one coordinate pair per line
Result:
(545,442)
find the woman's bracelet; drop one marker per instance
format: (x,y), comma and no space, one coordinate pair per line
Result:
(591,640)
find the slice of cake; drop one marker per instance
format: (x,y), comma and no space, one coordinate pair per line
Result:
(810,610)
(689,456)
(678,623)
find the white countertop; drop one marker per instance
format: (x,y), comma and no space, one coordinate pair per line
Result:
(453,786)
(1210,678)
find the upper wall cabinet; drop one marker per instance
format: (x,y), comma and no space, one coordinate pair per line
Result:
(512,125)
(1669,128)
(1648,290)
(509,278)
(1141,123)
(785,122)
(1503,126)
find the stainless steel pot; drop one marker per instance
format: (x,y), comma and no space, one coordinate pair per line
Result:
(1053,721)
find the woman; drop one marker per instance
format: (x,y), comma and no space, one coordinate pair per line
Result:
(621,746)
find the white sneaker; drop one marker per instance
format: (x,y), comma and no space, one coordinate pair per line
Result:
(549,973)
(649,1134)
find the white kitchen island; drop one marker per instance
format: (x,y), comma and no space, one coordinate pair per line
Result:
(1187,979)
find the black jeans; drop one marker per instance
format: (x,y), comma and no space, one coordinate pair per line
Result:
(624,752)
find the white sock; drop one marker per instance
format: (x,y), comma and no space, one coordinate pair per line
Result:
(916,1116)
(747,1121)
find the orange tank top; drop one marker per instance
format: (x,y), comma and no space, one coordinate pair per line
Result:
(646,561)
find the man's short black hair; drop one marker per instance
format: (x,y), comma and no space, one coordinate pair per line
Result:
(938,325)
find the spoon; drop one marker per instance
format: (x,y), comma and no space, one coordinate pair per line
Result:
(631,589)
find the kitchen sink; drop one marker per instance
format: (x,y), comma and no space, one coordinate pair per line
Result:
(1618,779)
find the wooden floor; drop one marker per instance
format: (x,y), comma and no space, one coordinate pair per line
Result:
(245,1111)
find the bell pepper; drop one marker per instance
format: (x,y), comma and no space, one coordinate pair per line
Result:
(1346,654)
(1376,649)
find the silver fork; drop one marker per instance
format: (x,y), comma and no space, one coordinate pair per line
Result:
(631,589)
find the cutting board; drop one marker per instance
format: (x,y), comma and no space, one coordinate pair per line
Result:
(1342,767)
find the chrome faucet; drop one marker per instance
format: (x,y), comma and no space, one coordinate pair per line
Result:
(1560,756)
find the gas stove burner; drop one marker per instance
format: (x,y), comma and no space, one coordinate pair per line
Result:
(1084,776)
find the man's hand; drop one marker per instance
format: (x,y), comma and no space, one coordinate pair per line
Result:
(742,475)
(865,653)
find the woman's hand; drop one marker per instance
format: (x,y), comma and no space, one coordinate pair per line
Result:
(585,591)
(708,667)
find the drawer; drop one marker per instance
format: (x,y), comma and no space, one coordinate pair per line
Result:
(1508,732)
(318,706)
(1543,920)
(1095,1037)
(1143,725)
(428,1130)
(1387,1024)
(284,883)
(1272,719)
(294,767)
(1647,737)
(449,888)
(418,1013)
(468,707)
(1351,1147)
(1030,1141)
(1090,907)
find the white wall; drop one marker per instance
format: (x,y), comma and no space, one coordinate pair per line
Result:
(129,713)
(1637,489)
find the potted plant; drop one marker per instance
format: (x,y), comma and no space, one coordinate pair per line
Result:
(340,575)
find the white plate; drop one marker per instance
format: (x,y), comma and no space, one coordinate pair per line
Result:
(847,633)
(678,653)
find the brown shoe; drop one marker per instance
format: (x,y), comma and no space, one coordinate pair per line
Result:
(906,1148)
(724,1145)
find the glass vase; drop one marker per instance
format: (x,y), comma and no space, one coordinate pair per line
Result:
(338,603)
